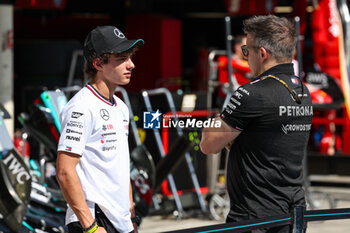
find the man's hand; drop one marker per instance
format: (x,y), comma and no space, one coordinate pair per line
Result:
(133,215)
(214,139)
(101,230)
(135,227)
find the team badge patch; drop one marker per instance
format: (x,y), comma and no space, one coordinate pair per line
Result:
(295,81)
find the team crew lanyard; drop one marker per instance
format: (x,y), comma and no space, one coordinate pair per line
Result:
(292,92)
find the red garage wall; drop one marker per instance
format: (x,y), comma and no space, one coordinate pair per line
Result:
(159,61)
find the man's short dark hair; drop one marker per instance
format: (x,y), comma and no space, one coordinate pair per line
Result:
(91,71)
(276,34)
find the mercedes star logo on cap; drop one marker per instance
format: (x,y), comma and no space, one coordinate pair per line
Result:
(118,33)
(104,114)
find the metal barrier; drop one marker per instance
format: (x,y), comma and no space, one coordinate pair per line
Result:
(297,219)
(193,175)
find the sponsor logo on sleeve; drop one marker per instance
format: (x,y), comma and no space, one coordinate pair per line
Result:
(75,124)
(229,111)
(73,131)
(73,138)
(76,115)
(243,90)
(233,99)
(238,95)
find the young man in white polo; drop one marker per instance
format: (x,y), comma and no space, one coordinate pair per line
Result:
(93,167)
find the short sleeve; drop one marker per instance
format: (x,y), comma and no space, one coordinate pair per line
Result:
(76,126)
(245,104)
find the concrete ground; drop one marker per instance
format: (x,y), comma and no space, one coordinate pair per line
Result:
(339,198)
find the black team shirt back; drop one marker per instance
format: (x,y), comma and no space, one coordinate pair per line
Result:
(264,171)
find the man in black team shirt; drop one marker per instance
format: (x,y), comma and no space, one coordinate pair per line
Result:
(267,121)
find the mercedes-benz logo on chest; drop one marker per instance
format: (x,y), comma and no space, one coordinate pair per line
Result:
(104,114)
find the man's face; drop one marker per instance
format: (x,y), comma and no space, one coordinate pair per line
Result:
(118,69)
(254,57)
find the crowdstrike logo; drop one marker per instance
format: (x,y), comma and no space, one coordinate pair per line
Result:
(296,128)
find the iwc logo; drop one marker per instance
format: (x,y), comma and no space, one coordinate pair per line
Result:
(104,114)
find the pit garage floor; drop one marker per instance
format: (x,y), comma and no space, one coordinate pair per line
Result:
(341,196)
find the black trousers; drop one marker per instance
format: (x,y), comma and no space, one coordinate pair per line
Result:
(280,229)
(101,219)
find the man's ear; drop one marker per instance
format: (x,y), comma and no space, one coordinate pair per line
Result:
(97,63)
(263,53)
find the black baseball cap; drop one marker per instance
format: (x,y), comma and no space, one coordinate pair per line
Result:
(107,39)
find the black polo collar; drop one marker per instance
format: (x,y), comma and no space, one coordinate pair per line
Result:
(284,68)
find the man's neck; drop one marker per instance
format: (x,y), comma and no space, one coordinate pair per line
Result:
(105,89)
(271,63)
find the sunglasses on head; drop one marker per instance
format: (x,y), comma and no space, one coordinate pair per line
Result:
(245,49)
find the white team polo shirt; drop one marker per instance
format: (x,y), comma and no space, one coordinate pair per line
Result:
(97,130)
